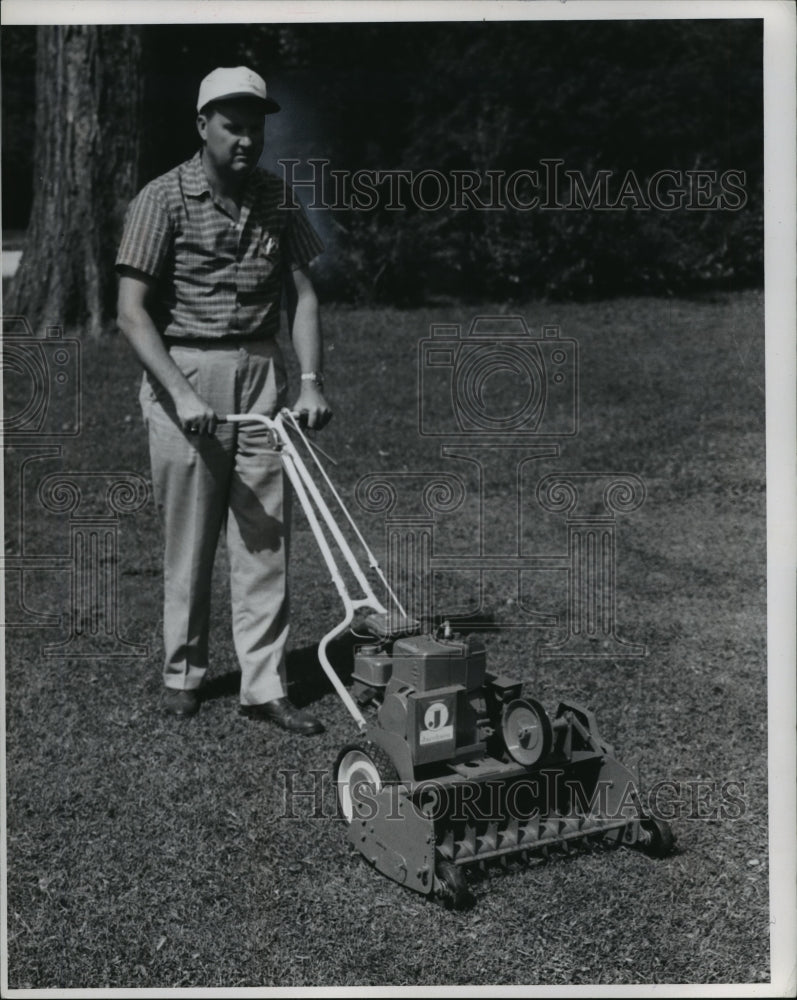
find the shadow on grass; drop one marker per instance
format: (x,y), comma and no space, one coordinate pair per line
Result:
(307,682)
(223,686)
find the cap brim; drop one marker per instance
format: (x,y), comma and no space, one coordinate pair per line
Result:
(268,104)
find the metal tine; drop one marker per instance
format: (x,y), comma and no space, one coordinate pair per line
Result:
(489,839)
(551,826)
(510,833)
(446,846)
(467,846)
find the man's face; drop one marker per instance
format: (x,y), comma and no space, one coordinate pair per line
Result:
(233,134)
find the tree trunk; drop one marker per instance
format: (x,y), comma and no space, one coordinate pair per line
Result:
(88,108)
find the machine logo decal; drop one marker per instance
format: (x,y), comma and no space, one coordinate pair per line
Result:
(435,721)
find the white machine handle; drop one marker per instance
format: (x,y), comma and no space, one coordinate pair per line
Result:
(314,504)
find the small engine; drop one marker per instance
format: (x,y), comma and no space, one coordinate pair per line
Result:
(439,698)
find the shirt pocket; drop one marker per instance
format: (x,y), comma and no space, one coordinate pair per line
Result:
(268,246)
(261,264)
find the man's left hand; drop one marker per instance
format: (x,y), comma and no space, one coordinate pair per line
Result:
(311,409)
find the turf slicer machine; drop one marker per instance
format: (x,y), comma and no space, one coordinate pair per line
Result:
(459,768)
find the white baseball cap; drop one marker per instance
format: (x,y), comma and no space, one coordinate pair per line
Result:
(228,82)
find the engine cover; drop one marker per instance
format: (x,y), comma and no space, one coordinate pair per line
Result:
(438,725)
(426,663)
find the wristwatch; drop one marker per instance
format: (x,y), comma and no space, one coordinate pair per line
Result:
(315,377)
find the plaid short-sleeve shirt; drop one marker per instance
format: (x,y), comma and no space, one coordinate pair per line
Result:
(216,277)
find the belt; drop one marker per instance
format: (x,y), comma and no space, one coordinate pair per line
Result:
(233,340)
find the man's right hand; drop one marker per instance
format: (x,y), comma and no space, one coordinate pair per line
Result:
(194,414)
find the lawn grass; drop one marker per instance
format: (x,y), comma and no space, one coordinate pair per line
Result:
(144,851)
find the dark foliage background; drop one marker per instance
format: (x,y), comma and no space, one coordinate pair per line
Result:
(623,95)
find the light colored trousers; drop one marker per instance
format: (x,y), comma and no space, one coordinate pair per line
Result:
(234,479)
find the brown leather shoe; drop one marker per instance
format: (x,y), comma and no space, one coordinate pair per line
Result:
(181,703)
(285,715)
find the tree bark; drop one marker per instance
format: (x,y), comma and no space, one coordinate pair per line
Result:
(86,163)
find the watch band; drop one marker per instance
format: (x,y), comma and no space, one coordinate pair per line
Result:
(316,377)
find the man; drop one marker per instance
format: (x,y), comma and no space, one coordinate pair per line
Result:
(206,251)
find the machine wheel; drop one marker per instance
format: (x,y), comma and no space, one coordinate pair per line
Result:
(451,885)
(361,765)
(526,730)
(661,839)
